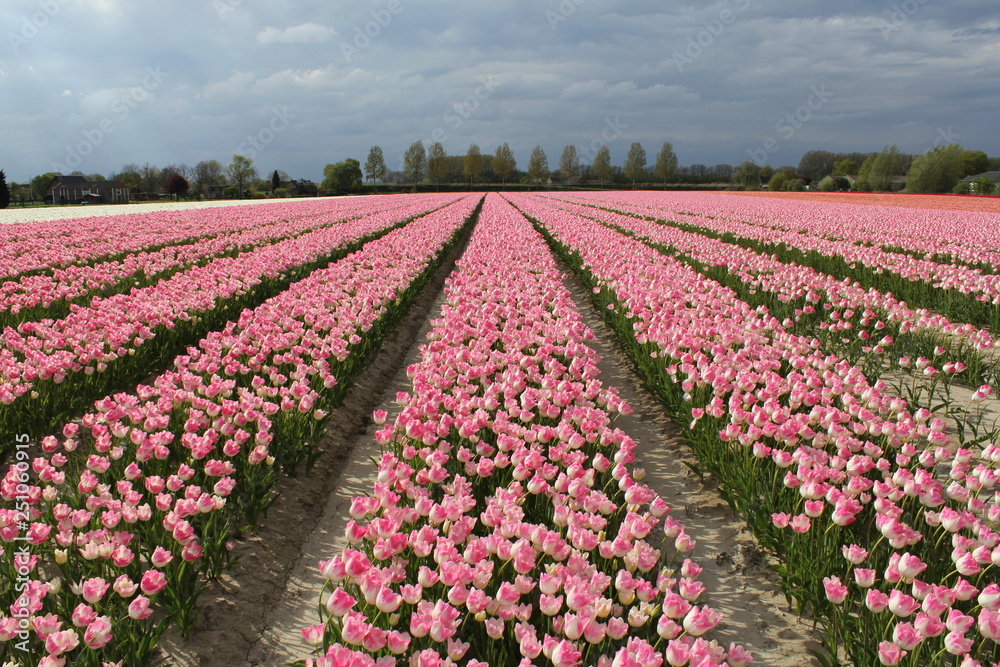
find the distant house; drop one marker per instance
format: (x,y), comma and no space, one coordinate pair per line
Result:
(991,175)
(78,190)
(303,188)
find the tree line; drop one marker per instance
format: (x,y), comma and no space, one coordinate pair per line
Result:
(433,165)
(940,169)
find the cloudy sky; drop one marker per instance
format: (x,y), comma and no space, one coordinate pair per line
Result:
(95,84)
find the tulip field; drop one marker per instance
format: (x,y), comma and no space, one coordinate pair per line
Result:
(829,366)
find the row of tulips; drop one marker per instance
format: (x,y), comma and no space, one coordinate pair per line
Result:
(50,370)
(38,247)
(960,292)
(120,518)
(885,529)
(859,324)
(50,294)
(961,237)
(506,525)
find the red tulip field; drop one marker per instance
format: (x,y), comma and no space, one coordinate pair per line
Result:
(613,429)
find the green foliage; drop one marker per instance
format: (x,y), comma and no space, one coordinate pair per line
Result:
(817,164)
(437,163)
(974,162)
(982,186)
(472,163)
(828,184)
(937,170)
(794,185)
(538,165)
(747,175)
(777,181)
(40,184)
(962,188)
(415,162)
(343,177)
(231,192)
(635,163)
(503,162)
(4,191)
(241,171)
(282,193)
(375,165)
(602,164)
(845,167)
(569,163)
(666,163)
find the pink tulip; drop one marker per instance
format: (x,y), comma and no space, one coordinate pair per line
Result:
(890,654)
(836,592)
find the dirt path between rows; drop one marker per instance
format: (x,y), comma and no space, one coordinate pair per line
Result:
(736,575)
(254,614)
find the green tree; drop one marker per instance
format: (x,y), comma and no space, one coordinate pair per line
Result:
(879,170)
(816,164)
(666,163)
(503,163)
(152,178)
(4,191)
(974,162)
(635,163)
(207,173)
(275,180)
(40,185)
(846,167)
(747,175)
(602,164)
(569,163)
(415,162)
(937,170)
(343,177)
(18,192)
(777,181)
(472,163)
(538,164)
(241,171)
(375,165)
(437,163)
(130,175)
(982,186)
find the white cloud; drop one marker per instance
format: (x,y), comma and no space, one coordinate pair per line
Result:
(231,87)
(300,34)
